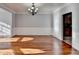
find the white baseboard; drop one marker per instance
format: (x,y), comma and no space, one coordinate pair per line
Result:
(32,31)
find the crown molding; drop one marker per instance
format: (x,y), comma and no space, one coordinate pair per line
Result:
(67,4)
(2,5)
(6,8)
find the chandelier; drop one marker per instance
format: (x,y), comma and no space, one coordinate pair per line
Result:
(33,10)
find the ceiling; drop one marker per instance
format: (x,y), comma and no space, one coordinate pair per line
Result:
(43,7)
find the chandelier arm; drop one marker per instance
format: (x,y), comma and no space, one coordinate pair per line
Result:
(33,10)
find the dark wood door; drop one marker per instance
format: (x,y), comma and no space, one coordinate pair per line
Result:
(67,24)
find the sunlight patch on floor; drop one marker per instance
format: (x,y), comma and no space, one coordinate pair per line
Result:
(31,51)
(27,39)
(9,39)
(6,52)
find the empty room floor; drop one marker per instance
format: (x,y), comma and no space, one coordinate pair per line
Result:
(35,45)
(68,40)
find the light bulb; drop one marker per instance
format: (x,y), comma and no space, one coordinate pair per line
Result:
(32,8)
(36,8)
(28,9)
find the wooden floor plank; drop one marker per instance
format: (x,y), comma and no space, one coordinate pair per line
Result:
(35,45)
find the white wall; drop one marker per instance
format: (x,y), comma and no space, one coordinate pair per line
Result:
(5,22)
(75,33)
(39,24)
(6,25)
(13,24)
(58,29)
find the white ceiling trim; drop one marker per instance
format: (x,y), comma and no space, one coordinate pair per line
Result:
(47,11)
(6,8)
(67,4)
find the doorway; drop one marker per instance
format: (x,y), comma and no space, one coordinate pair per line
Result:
(67,28)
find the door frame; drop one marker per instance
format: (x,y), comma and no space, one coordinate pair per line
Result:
(63,22)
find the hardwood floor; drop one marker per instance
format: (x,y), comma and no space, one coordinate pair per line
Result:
(68,40)
(35,45)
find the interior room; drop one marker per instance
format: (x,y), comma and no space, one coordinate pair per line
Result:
(39,28)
